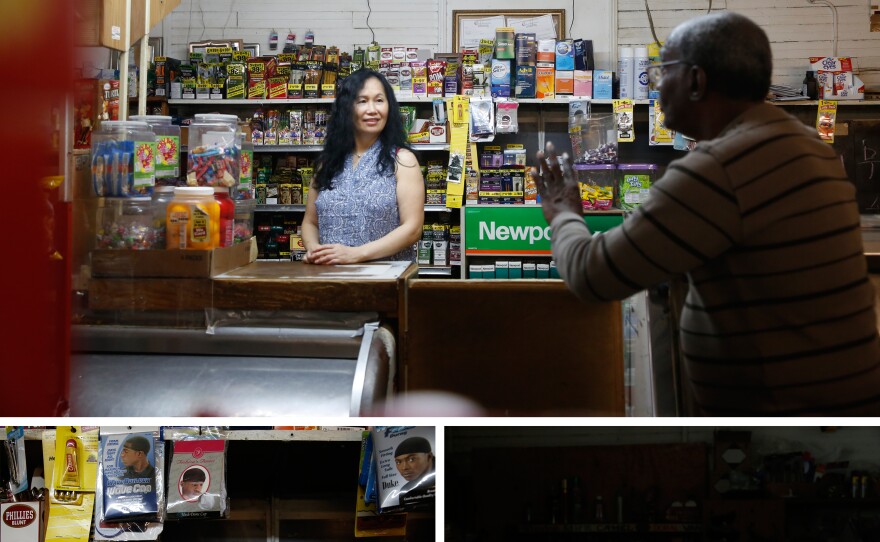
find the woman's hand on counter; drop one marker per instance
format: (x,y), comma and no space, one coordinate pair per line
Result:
(333,255)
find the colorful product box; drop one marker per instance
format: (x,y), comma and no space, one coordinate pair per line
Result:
(565,55)
(525,81)
(602,84)
(583,82)
(500,78)
(564,82)
(526,49)
(546,51)
(235,87)
(545,79)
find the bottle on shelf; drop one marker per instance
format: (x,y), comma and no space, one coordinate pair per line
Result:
(599,507)
(810,88)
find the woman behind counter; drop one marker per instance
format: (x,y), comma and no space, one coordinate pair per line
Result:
(367,199)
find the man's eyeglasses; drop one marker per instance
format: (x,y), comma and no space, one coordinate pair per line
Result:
(657,71)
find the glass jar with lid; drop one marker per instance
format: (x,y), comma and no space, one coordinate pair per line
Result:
(167,147)
(126,224)
(214,157)
(123,159)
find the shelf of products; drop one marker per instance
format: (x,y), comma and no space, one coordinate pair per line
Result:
(314,489)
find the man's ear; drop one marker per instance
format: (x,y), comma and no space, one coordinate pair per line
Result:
(698,83)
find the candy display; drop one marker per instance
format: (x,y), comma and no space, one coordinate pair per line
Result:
(243,227)
(213,166)
(214,158)
(597,182)
(167,152)
(127,224)
(593,138)
(635,182)
(123,159)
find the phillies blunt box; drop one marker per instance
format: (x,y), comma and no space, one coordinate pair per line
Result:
(21,521)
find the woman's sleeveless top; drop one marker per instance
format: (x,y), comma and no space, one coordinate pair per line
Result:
(362,206)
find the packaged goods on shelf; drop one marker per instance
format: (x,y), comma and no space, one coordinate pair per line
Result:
(123,162)
(593,138)
(128,224)
(635,184)
(214,156)
(597,185)
(167,156)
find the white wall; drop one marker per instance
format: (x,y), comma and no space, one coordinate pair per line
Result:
(414,23)
(797,29)
(859,445)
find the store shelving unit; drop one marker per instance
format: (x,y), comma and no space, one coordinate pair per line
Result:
(302,500)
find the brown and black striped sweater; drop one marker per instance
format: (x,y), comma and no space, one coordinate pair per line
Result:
(779,319)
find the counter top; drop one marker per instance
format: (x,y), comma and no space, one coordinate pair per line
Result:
(373,287)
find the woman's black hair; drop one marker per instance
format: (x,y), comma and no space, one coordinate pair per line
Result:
(339,141)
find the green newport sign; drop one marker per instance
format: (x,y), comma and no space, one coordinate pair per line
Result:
(518,229)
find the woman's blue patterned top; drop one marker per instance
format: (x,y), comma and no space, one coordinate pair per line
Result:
(362,206)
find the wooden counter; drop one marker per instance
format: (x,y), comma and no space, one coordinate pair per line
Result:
(373,287)
(516,347)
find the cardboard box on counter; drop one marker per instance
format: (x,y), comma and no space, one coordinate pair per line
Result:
(836,78)
(172,263)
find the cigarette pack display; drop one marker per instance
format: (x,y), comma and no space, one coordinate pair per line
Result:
(542,270)
(404,467)
(502,269)
(515,269)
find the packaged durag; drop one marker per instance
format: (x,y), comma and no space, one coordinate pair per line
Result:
(130,500)
(404,467)
(197,480)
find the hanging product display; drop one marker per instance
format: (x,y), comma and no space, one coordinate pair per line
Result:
(129,500)
(72,499)
(404,467)
(15,459)
(197,480)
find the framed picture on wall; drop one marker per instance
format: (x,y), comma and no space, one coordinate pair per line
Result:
(469,26)
(252,48)
(202,46)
